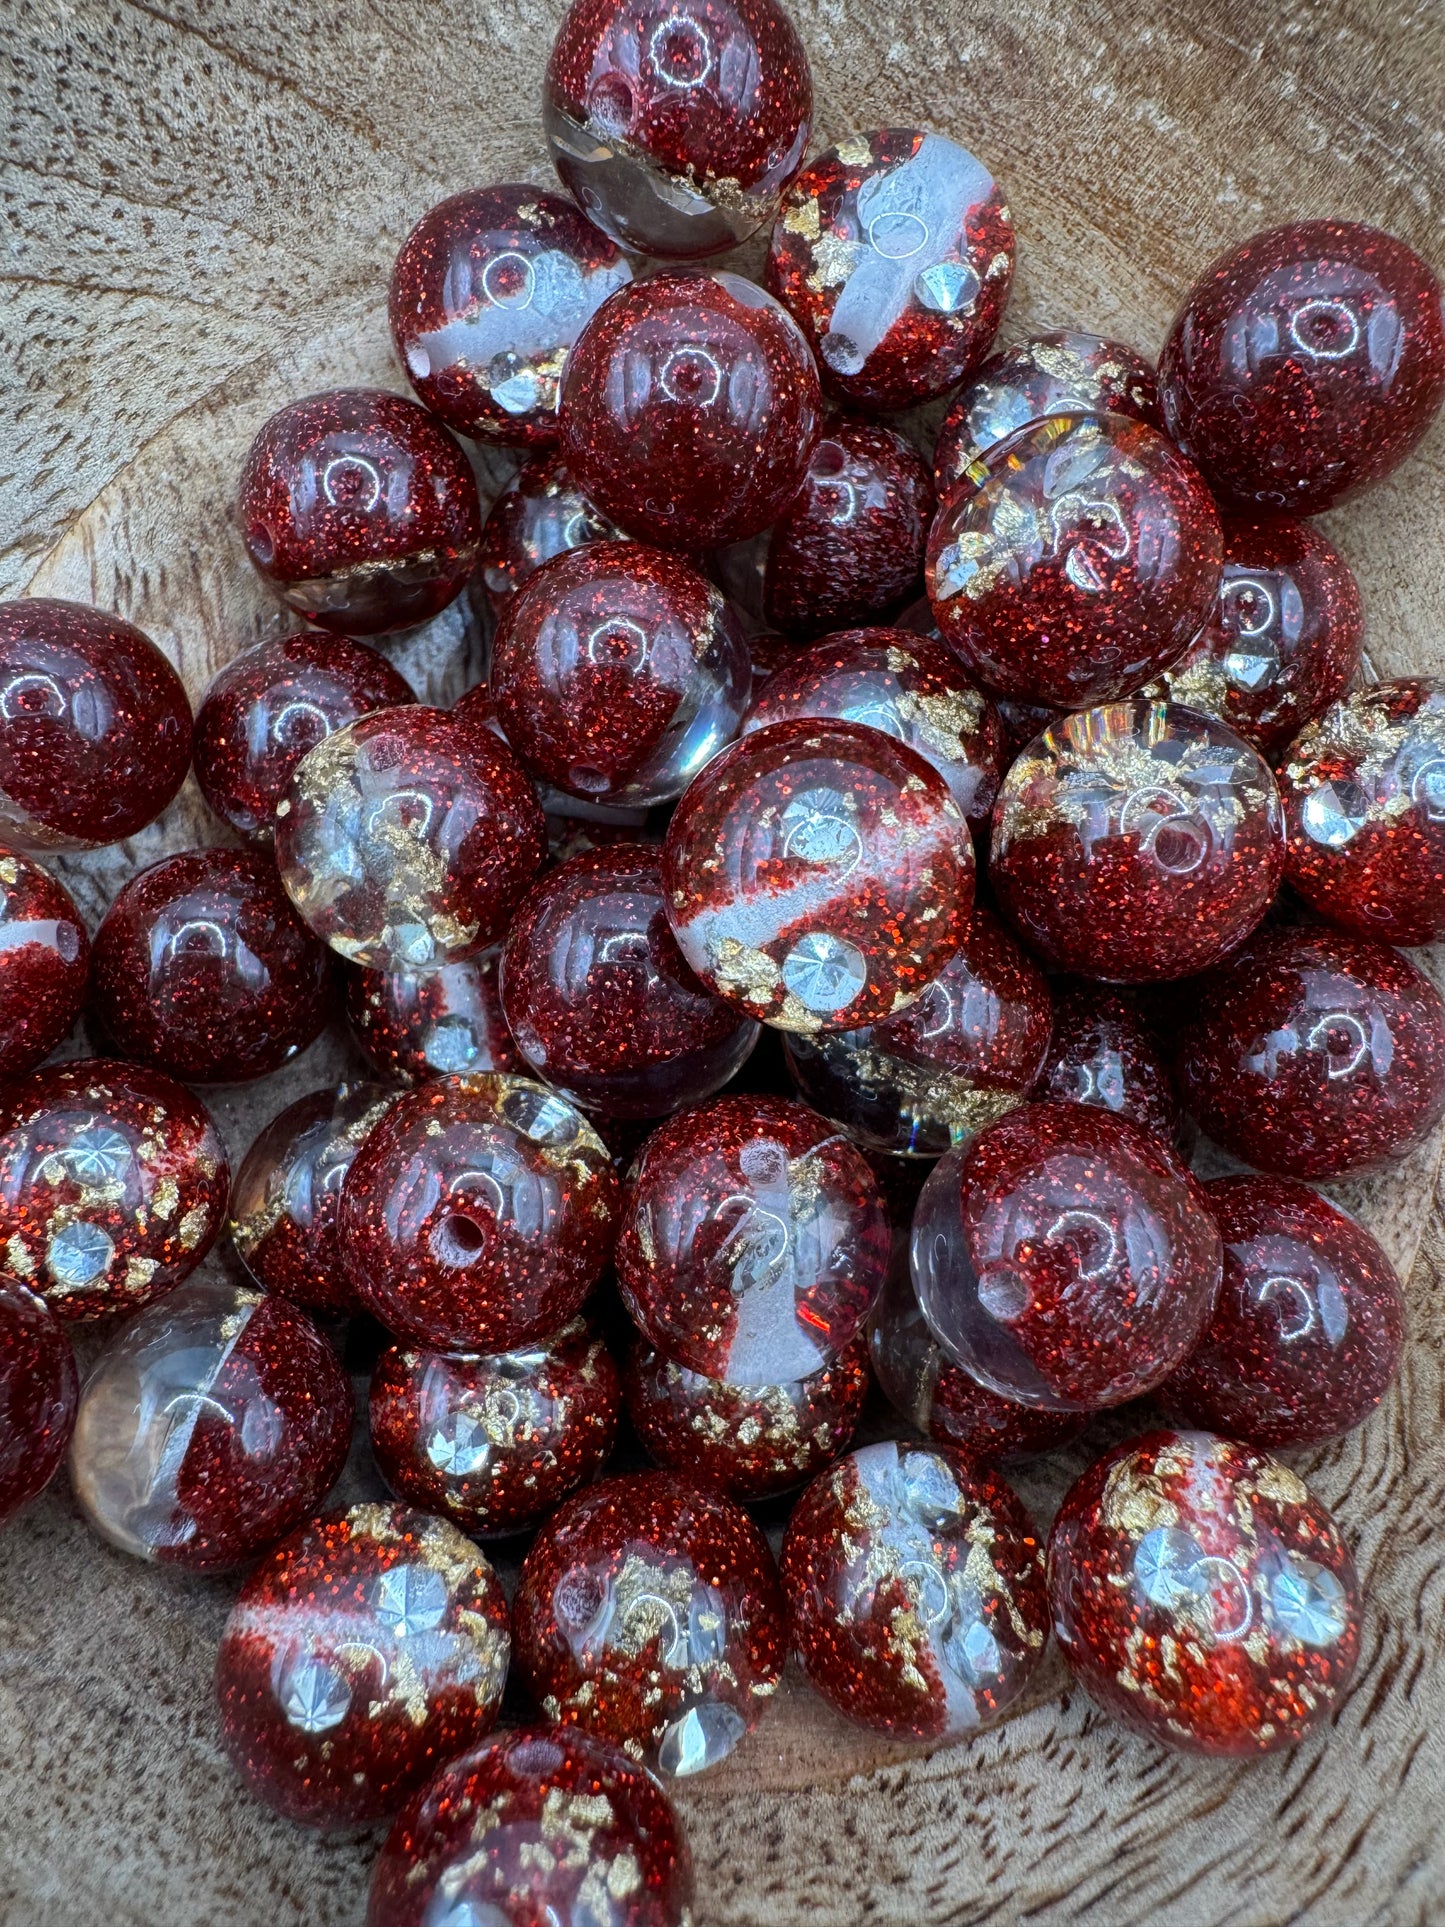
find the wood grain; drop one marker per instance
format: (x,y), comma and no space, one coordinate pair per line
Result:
(199,204)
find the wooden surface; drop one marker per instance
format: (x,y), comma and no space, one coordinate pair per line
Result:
(199,206)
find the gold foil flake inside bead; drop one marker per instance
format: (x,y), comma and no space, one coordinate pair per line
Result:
(834,259)
(324,773)
(1133,1502)
(945,721)
(449,1553)
(742,971)
(855,151)
(1060,364)
(899,660)
(1199,684)
(165,1198)
(17,1257)
(374,1521)
(192,1227)
(909,1641)
(1256,1645)
(624,1876)
(1279,1485)
(652,1606)
(9,872)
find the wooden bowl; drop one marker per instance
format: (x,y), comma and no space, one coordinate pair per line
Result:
(201,213)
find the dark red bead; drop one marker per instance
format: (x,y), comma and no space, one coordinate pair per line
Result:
(1137,842)
(895,251)
(538,1827)
(38,1392)
(1203,1596)
(1309,1324)
(676,122)
(1103,1052)
(95,728)
(541,513)
(360,510)
(202,969)
(490,290)
(1311,1054)
(649,1613)
(44,963)
(1305,364)
(1081,560)
(690,406)
(1364,803)
(495,1442)
(415,1024)
(363,1653)
(113,1185)
(915,1589)
(271,704)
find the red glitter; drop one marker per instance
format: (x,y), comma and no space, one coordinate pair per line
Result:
(415,1024)
(38,1392)
(541,513)
(1102,1052)
(44,963)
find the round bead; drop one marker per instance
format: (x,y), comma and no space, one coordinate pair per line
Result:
(675,123)
(495,1443)
(1137,842)
(911,689)
(915,1589)
(1081,561)
(964,1053)
(478,1214)
(44,963)
(1063,373)
(490,290)
(649,1613)
(1284,637)
(1103,1053)
(599,999)
(537,1827)
(360,510)
(1305,364)
(288,1190)
(1364,803)
(113,1185)
(1067,1259)
(751,1441)
(271,704)
(818,874)
(690,406)
(754,1240)
(405,839)
(1307,1331)
(362,1654)
(1311,1054)
(541,513)
(202,969)
(895,251)
(415,1024)
(617,672)
(1203,1596)
(210,1427)
(95,728)
(38,1392)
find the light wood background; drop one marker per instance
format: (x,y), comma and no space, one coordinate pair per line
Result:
(200,201)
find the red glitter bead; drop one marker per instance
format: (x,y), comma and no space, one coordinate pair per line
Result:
(360,510)
(1067,1259)
(478,1214)
(752,1441)
(1203,1596)
(288,1190)
(496,1442)
(1284,637)
(690,406)
(1064,373)
(909,688)
(599,999)
(1364,802)
(541,513)
(617,672)
(210,1427)
(202,969)
(44,963)
(113,1185)
(539,1827)
(1081,560)
(1311,1054)
(271,704)
(95,728)
(490,290)
(818,874)
(915,1589)
(675,123)
(415,1024)
(754,1240)
(1305,364)
(961,1055)
(1307,1330)
(895,251)
(1137,842)
(362,1654)
(649,1613)
(38,1392)
(405,839)
(1103,1053)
